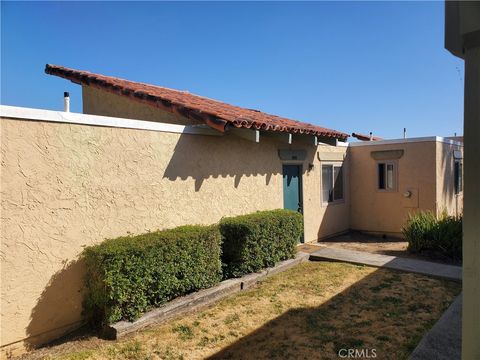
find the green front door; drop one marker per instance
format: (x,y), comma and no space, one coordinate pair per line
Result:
(292,188)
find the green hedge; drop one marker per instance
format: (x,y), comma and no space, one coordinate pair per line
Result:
(129,275)
(259,240)
(442,235)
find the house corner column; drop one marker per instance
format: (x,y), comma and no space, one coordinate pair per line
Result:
(471,233)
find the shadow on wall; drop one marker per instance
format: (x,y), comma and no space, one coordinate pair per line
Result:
(449,201)
(202,157)
(59,307)
(387,311)
(199,157)
(335,221)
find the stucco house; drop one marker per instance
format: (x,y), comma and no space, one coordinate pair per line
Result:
(143,157)
(392,178)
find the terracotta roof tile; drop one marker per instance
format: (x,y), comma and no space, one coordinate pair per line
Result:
(216,114)
(366,137)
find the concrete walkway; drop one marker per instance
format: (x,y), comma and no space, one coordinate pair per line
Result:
(450,272)
(444,340)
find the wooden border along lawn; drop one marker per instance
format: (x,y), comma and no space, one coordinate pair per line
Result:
(311,311)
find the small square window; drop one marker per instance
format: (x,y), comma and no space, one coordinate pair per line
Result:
(387,176)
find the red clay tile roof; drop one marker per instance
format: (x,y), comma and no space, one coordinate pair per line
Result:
(366,137)
(212,112)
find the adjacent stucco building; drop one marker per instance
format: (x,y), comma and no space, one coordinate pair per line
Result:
(143,157)
(391,179)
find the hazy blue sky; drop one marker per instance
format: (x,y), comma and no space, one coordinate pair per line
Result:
(373,66)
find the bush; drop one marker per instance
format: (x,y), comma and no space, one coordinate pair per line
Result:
(129,275)
(442,235)
(255,241)
(419,231)
(448,235)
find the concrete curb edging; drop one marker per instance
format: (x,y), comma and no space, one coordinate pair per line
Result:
(444,340)
(196,300)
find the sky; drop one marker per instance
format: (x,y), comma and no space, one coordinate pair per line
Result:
(350,66)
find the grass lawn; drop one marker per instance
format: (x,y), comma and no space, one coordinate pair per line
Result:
(308,312)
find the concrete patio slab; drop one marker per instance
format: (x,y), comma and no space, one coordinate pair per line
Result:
(450,272)
(444,340)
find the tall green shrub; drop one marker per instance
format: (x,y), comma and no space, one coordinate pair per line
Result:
(443,235)
(419,231)
(129,275)
(448,235)
(259,240)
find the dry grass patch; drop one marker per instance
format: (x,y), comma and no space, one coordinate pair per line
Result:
(309,311)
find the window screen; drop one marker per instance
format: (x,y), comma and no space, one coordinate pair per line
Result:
(458,173)
(332,183)
(381,176)
(327,183)
(389,176)
(338,183)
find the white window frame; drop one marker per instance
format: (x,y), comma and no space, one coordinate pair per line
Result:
(394,178)
(334,165)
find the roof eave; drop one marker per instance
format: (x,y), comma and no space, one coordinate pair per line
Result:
(212,120)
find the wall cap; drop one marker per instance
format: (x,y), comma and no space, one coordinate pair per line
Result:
(32,114)
(408,140)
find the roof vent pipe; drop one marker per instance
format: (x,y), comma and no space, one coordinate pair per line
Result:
(66,101)
(404,133)
(371,136)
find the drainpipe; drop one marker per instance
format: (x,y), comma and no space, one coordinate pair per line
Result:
(66,101)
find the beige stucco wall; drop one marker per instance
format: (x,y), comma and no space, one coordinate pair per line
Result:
(323,221)
(385,212)
(320,221)
(65,186)
(426,169)
(100,102)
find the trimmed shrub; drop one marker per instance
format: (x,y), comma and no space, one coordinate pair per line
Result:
(127,276)
(442,235)
(448,235)
(259,240)
(419,231)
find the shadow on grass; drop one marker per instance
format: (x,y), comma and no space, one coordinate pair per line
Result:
(385,313)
